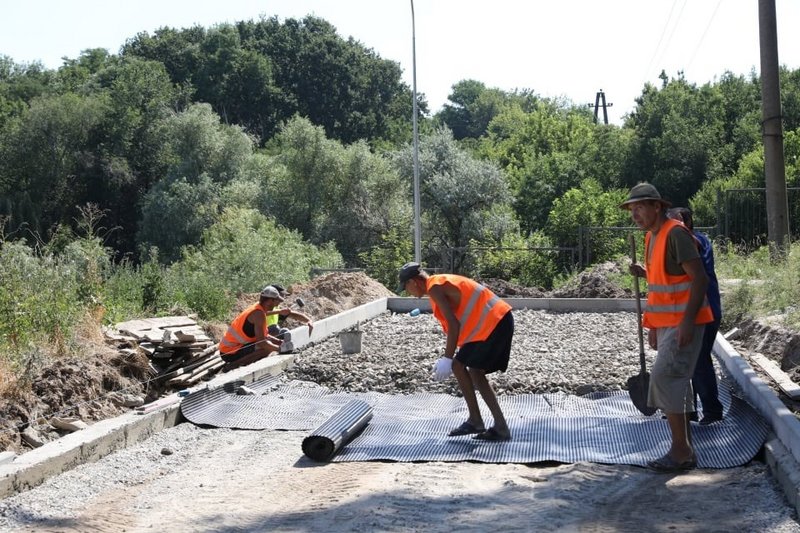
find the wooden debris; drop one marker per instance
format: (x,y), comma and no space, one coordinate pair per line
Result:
(68,423)
(179,350)
(733,334)
(158,404)
(789,387)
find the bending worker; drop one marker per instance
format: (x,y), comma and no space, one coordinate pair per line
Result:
(276,322)
(676,314)
(247,339)
(481,326)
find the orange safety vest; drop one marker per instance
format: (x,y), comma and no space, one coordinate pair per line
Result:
(478,312)
(235,337)
(667,296)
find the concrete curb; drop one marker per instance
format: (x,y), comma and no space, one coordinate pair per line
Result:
(783,447)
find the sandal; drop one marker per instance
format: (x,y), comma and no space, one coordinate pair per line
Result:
(668,464)
(491,434)
(465,429)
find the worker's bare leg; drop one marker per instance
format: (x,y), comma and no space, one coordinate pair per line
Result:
(468,390)
(264,349)
(681,450)
(478,377)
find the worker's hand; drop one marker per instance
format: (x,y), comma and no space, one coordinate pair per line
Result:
(637,270)
(310,326)
(652,339)
(443,369)
(685,333)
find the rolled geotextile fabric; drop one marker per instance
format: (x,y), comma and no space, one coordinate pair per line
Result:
(323,443)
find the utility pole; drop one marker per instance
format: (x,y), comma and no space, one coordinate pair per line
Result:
(600,96)
(772,133)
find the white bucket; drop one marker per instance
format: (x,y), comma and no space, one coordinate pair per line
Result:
(350,341)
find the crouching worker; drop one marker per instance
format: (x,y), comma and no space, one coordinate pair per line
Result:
(247,339)
(276,322)
(481,326)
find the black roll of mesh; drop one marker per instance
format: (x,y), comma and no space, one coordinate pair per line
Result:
(323,443)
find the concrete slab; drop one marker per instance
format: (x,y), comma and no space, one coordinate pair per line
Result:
(586,305)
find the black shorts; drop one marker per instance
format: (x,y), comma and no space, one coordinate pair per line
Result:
(492,354)
(238,354)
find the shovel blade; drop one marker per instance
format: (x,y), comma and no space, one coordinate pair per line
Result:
(637,388)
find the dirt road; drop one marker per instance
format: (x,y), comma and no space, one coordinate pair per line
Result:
(192,479)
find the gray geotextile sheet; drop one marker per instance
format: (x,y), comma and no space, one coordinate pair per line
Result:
(599,428)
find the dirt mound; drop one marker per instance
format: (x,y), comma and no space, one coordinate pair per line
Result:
(327,295)
(506,289)
(595,283)
(70,387)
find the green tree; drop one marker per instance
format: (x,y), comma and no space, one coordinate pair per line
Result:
(678,130)
(243,249)
(40,156)
(590,206)
(175,212)
(462,198)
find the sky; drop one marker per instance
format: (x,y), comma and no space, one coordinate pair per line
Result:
(559,48)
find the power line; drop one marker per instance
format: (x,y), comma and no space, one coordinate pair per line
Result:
(664,31)
(700,42)
(671,34)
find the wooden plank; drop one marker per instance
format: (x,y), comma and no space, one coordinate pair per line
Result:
(183,377)
(158,404)
(197,377)
(789,387)
(140,328)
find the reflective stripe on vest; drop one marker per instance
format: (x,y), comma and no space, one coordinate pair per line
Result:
(667,295)
(235,337)
(479,310)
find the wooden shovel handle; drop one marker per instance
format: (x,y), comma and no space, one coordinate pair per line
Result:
(632,240)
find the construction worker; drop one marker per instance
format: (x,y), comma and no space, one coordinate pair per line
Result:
(275,322)
(676,314)
(480,325)
(704,381)
(247,339)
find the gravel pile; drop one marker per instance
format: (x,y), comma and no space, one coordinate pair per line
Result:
(575,353)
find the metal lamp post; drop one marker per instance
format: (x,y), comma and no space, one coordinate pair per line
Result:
(417,254)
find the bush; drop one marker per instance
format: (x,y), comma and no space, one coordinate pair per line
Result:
(244,250)
(530,262)
(42,297)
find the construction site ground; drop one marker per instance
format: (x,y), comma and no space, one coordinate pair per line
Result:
(196,478)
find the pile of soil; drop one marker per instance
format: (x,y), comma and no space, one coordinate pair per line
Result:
(70,387)
(594,283)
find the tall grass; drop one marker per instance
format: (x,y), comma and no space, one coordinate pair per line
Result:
(47,292)
(753,285)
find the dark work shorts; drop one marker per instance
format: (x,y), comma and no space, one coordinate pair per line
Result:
(492,354)
(238,354)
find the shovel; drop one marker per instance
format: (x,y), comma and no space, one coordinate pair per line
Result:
(638,384)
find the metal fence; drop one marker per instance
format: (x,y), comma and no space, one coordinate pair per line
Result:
(742,214)
(534,266)
(598,243)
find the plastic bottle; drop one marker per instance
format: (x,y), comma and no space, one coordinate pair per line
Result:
(414,312)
